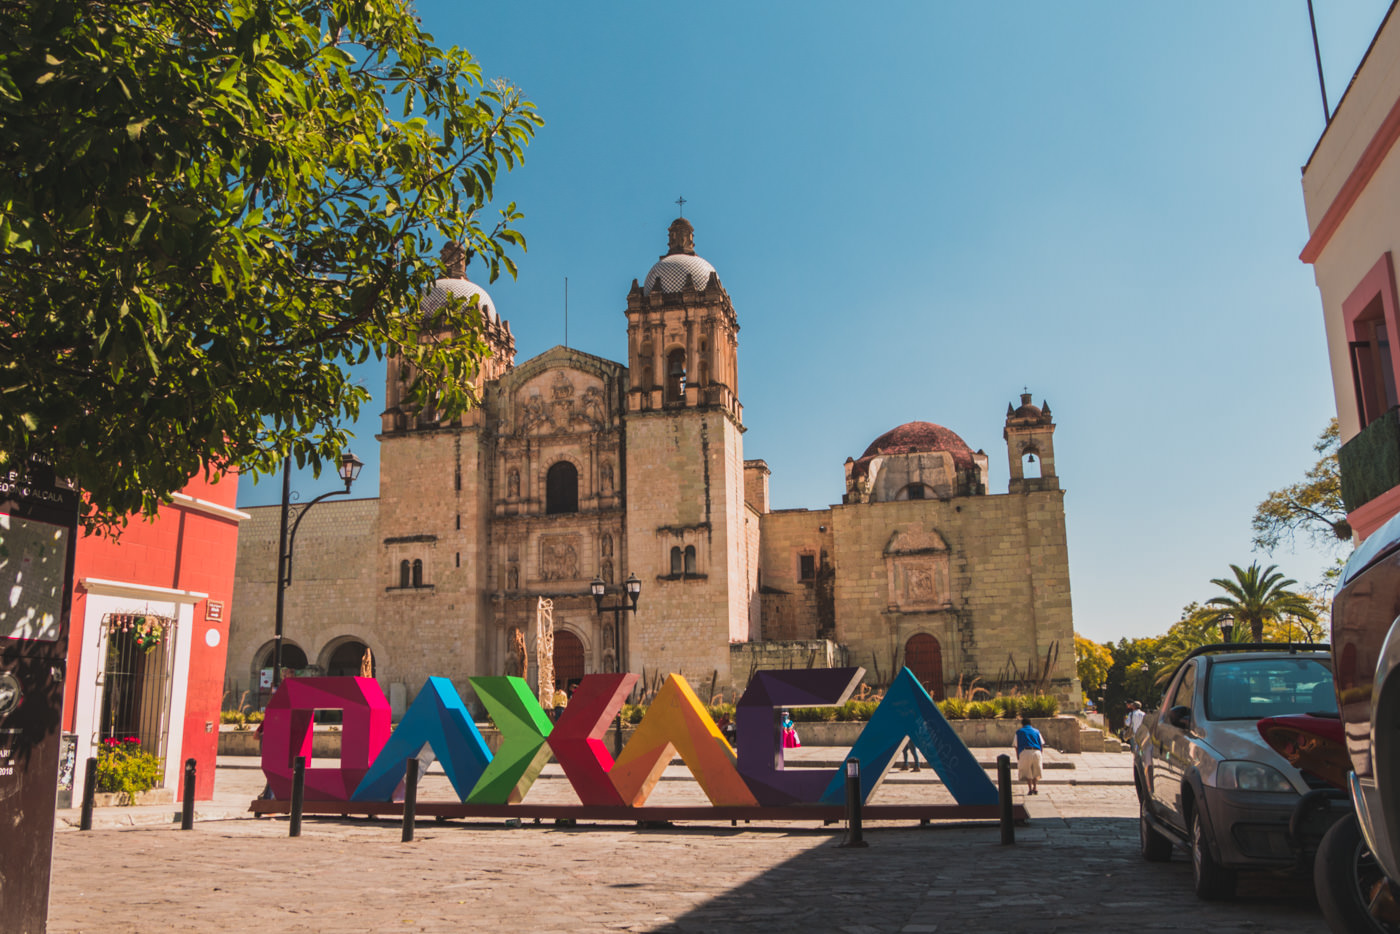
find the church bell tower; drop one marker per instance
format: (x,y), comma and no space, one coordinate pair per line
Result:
(685,484)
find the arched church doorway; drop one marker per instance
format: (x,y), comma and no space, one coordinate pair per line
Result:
(293,659)
(344,661)
(924,657)
(568,658)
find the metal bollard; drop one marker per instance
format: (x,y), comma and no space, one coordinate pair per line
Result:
(1008,828)
(89,790)
(187,810)
(410,798)
(854,804)
(298,796)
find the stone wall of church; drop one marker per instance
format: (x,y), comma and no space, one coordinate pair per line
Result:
(995,593)
(797,564)
(684,492)
(434,507)
(331,598)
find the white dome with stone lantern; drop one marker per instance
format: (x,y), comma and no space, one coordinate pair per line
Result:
(670,271)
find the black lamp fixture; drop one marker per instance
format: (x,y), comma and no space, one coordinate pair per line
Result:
(633,589)
(349,471)
(1227,627)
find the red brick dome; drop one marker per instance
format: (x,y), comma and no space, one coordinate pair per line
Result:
(919,438)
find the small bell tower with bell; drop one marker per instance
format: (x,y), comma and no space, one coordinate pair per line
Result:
(1030,446)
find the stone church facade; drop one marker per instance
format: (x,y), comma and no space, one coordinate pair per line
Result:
(576,468)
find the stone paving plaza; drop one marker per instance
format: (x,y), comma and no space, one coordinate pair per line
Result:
(1074,867)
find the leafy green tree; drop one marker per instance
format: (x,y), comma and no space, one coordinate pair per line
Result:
(1092,663)
(1257,596)
(1313,507)
(208,209)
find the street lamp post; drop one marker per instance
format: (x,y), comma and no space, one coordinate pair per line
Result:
(634,592)
(1227,627)
(349,469)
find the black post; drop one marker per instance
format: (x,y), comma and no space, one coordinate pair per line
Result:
(187,811)
(89,789)
(1008,827)
(617,734)
(298,795)
(853,840)
(410,798)
(281,578)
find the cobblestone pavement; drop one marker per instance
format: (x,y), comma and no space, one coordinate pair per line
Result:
(1074,868)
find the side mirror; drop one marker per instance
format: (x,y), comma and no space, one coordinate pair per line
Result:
(1179,717)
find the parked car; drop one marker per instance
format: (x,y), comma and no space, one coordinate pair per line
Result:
(1209,783)
(1362,891)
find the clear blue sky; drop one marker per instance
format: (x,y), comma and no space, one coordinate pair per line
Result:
(919,208)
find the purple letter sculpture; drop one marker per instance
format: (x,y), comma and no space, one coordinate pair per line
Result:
(759,739)
(287,733)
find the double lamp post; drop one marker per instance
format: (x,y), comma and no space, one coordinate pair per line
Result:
(633,588)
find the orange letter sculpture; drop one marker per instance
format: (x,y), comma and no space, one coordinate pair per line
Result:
(676,722)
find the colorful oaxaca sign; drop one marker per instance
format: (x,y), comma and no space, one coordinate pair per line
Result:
(372,766)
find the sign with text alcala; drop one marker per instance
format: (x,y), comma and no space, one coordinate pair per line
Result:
(372,759)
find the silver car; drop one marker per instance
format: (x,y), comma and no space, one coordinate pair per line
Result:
(1208,782)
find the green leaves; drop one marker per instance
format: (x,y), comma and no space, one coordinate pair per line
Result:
(205,209)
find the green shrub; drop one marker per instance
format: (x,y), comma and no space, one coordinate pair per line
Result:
(232,716)
(814,714)
(123,766)
(954,708)
(633,713)
(1041,705)
(982,710)
(720,710)
(255,716)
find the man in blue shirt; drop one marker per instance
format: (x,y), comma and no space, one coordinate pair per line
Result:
(1028,749)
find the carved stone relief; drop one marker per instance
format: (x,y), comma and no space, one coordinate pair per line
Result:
(559,557)
(605,478)
(513,484)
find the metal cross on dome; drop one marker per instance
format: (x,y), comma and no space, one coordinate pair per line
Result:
(681,203)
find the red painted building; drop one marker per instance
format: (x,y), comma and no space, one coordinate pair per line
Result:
(150,631)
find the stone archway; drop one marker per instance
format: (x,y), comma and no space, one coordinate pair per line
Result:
(924,657)
(568,658)
(344,660)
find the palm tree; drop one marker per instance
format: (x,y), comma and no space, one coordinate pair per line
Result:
(1257,596)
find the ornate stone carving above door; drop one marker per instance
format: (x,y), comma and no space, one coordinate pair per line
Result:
(559,557)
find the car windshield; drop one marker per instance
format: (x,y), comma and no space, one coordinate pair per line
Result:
(1253,688)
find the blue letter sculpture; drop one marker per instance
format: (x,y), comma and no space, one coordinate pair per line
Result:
(908,712)
(436,718)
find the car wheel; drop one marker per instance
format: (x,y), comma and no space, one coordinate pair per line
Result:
(1345,873)
(1155,847)
(1213,881)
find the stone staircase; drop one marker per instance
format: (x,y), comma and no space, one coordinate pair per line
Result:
(1092,739)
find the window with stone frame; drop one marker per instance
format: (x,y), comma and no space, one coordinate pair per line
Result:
(807,566)
(417,572)
(677,562)
(405,573)
(690,559)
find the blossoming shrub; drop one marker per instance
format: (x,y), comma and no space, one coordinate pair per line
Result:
(123,766)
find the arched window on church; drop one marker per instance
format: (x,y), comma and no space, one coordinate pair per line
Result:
(690,559)
(675,377)
(677,567)
(561,489)
(1030,467)
(916,491)
(404,579)
(418,572)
